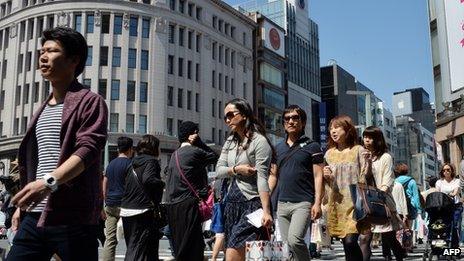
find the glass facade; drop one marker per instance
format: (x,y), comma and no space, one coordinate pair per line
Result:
(270,74)
(273,99)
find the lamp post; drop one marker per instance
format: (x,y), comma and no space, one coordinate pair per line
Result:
(367,104)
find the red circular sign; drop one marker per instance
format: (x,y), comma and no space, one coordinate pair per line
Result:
(274,37)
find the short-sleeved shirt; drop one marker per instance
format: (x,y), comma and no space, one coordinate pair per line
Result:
(296,177)
(116,175)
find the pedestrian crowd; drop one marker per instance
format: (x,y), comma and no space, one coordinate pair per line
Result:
(305,196)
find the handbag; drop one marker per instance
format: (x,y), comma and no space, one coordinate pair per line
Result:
(266,250)
(217,221)
(370,204)
(205,207)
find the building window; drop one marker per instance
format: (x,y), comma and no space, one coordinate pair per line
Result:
(133,25)
(244,41)
(117,24)
(220,81)
(36,92)
(270,74)
(226,58)
(198,43)
(189,69)
(213,108)
(213,135)
(90,24)
(143,92)
(145,28)
(172,5)
(130,91)
(198,13)
(181,36)
(172,33)
(114,122)
(132,63)
(103,55)
(18,96)
(219,109)
(130,123)
(189,39)
(221,22)
(28,61)
(226,83)
(143,124)
(46,90)
(232,86)
(26,94)
(102,88)
(116,56)
(180,97)
(169,126)
(220,136)
(232,59)
(78,23)
(213,51)
(213,79)
(244,90)
(182,6)
(170,64)
(20,63)
(197,72)
(144,60)
(88,62)
(190,9)
(88,82)
(214,21)
(170,96)
(220,53)
(189,100)
(179,122)
(180,67)
(197,102)
(105,24)
(115,90)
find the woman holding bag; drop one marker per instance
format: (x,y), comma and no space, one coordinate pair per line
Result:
(245,159)
(186,172)
(347,163)
(382,170)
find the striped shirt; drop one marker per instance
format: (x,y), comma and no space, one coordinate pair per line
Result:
(47,132)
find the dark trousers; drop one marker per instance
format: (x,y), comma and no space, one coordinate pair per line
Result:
(457,228)
(187,235)
(389,242)
(141,235)
(77,242)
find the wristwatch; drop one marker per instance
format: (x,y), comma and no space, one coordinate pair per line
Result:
(50,182)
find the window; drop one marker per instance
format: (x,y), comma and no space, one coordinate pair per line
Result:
(198,13)
(144,60)
(130,91)
(270,74)
(189,39)
(102,88)
(88,82)
(213,108)
(116,56)
(130,123)
(78,23)
(232,59)
(232,86)
(143,92)
(20,63)
(180,97)
(232,32)
(114,122)
(143,124)
(226,83)
(103,55)
(105,24)
(172,5)
(198,46)
(190,9)
(179,122)
(172,33)
(5,63)
(88,62)
(213,136)
(46,90)
(189,69)
(35,98)
(170,64)
(115,90)
(213,79)
(214,21)
(132,63)
(180,67)
(169,126)
(30,29)
(219,109)
(117,24)
(2,100)
(197,72)
(197,102)
(170,96)
(220,136)
(220,25)
(182,6)
(26,94)
(133,24)
(181,36)
(213,52)
(244,90)
(189,100)
(244,41)
(145,28)
(220,53)
(220,81)
(226,58)
(90,23)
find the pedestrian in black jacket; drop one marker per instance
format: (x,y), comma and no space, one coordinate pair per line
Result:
(182,203)
(143,191)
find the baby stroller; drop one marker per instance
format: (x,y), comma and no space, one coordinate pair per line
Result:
(440,209)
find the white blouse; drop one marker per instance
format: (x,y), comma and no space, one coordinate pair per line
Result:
(448,187)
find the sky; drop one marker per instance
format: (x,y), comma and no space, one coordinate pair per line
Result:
(384,44)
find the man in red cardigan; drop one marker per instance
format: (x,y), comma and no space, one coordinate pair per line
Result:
(59,160)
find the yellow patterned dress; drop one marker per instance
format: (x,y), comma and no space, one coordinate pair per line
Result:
(348,167)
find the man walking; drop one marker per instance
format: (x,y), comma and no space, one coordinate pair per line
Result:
(300,164)
(59,160)
(113,190)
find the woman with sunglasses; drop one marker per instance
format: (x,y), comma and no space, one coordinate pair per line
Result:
(450,185)
(245,159)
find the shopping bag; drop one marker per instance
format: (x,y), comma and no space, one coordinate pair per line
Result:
(280,251)
(258,250)
(217,221)
(316,233)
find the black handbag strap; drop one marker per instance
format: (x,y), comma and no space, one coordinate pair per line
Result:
(139,183)
(292,152)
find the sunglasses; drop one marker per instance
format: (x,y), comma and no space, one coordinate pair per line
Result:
(447,170)
(230,115)
(294,118)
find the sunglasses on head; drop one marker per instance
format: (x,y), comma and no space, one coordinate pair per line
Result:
(293,117)
(230,115)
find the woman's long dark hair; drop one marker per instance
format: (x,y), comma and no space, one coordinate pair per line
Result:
(380,146)
(252,124)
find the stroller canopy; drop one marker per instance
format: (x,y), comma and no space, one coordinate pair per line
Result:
(438,200)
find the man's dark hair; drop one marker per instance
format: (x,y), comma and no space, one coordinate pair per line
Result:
(299,111)
(124,144)
(73,43)
(149,145)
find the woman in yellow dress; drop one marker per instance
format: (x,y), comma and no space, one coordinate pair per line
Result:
(347,163)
